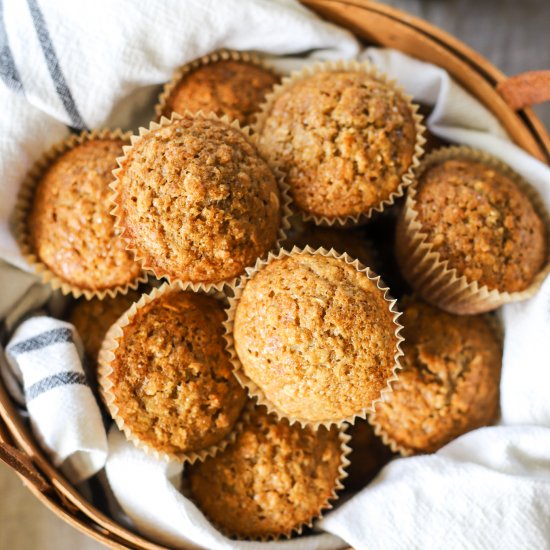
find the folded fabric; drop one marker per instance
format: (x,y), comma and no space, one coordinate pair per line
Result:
(65,417)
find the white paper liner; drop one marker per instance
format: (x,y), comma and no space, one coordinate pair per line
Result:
(254,390)
(429,275)
(355,66)
(24,205)
(106,356)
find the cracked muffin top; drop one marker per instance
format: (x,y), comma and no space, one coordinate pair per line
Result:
(93,318)
(449,383)
(71,229)
(227,87)
(316,336)
(273,479)
(172,379)
(344,140)
(196,201)
(482,223)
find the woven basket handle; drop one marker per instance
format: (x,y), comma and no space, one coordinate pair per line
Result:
(526,89)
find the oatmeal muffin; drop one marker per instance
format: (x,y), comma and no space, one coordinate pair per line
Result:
(235,88)
(272,480)
(342,240)
(450,380)
(315,338)
(368,456)
(172,380)
(344,139)
(196,202)
(479,221)
(93,318)
(70,227)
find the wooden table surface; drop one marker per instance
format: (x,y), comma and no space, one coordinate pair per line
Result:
(513,34)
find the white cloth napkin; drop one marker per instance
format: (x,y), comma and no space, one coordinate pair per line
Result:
(488,489)
(45,357)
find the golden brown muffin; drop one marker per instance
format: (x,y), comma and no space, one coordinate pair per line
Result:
(93,318)
(368,456)
(482,223)
(450,380)
(316,336)
(344,140)
(196,201)
(172,379)
(272,480)
(342,240)
(227,87)
(71,229)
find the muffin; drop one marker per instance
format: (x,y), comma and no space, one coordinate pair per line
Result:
(449,383)
(271,481)
(473,234)
(342,240)
(368,456)
(195,201)
(166,377)
(232,87)
(93,318)
(314,338)
(345,139)
(68,227)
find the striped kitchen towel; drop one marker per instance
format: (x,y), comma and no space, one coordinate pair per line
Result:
(45,356)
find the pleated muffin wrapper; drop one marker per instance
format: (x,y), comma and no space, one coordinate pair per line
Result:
(23,209)
(196,286)
(494,324)
(431,277)
(215,57)
(254,390)
(350,66)
(324,507)
(106,356)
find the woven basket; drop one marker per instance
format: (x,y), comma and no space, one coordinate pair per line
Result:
(509,100)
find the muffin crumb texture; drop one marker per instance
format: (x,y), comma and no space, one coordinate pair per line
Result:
(71,228)
(274,479)
(449,383)
(172,379)
(197,202)
(481,222)
(232,88)
(344,140)
(316,336)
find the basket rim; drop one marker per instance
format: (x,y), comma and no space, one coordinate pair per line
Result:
(88,519)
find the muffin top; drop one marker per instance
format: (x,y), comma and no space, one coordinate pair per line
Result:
(344,139)
(482,223)
(449,383)
(368,456)
(227,87)
(273,479)
(172,379)
(196,200)
(93,318)
(71,229)
(342,240)
(316,336)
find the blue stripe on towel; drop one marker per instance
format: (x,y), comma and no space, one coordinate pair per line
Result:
(54,68)
(43,340)
(8,71)
(54,381)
